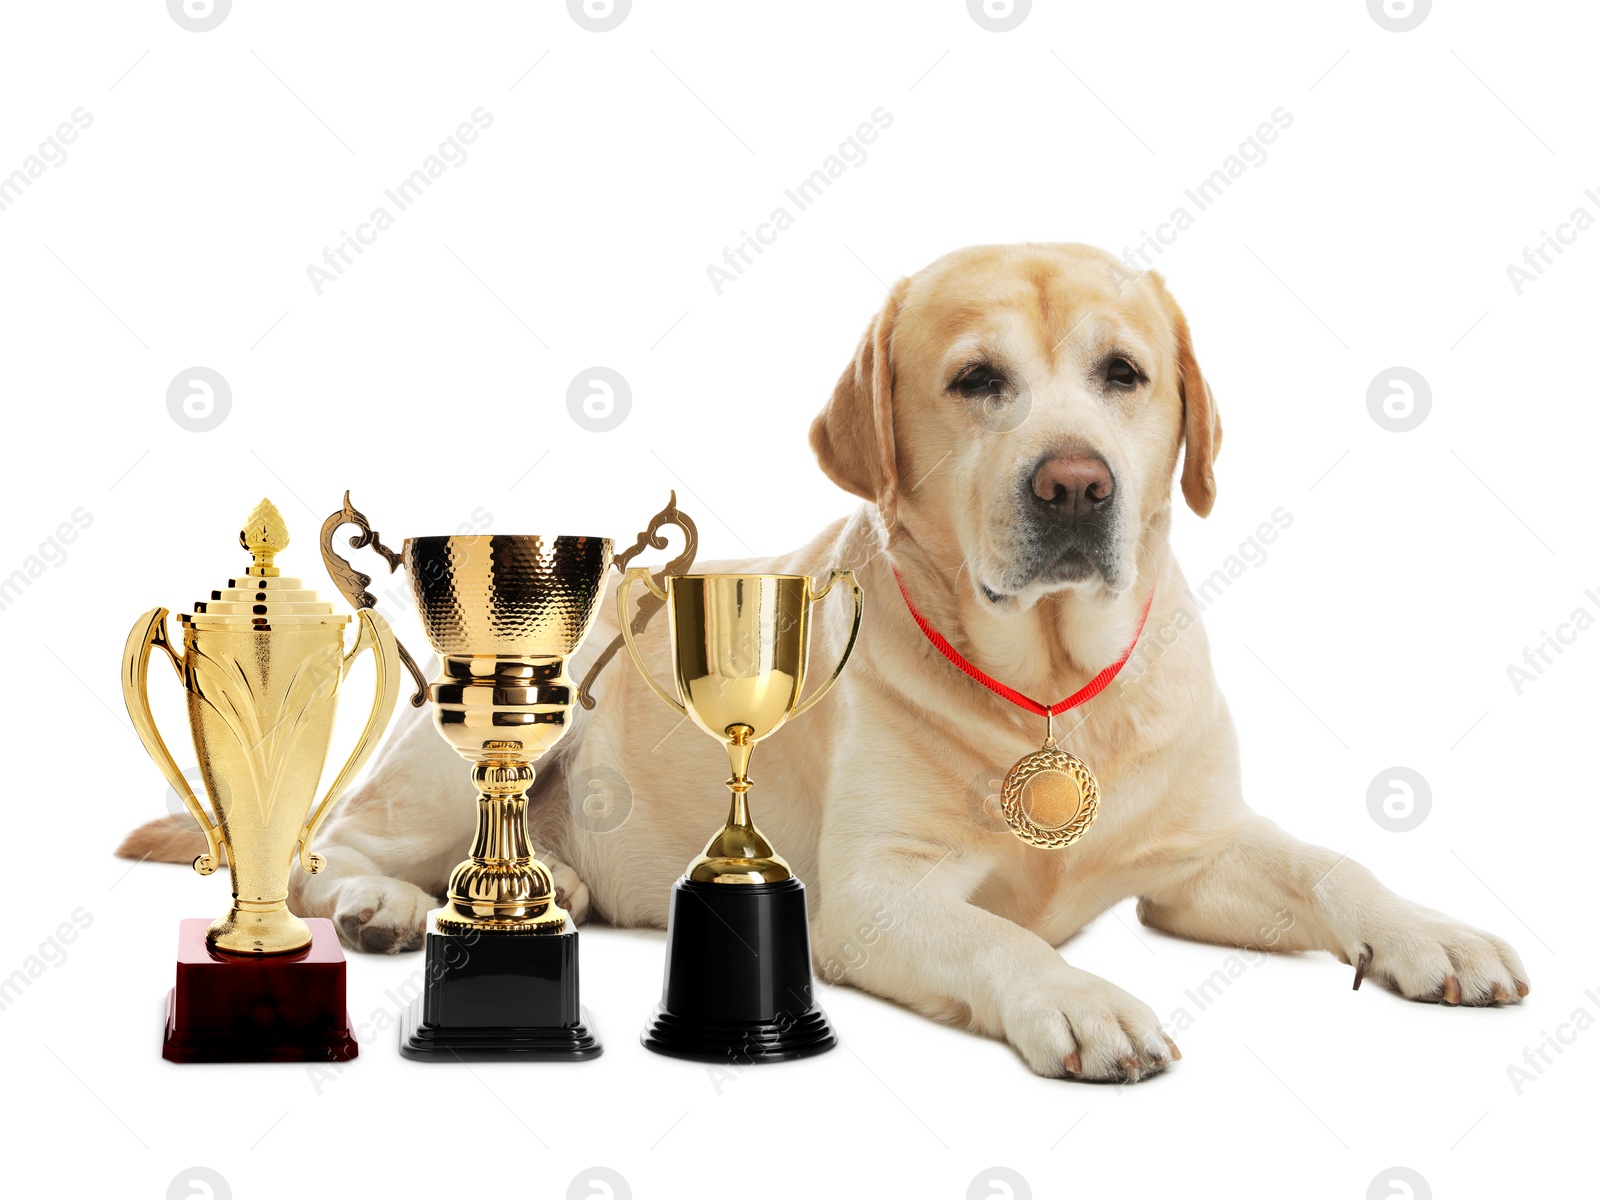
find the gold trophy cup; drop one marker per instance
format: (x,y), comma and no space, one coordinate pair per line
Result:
(738,974)
(262,664)
(504,614)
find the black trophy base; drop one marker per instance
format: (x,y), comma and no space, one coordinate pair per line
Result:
(499,997)
(526,1043)
(739,1041)
(738,978)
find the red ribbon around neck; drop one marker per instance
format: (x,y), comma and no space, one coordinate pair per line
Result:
(1086,693)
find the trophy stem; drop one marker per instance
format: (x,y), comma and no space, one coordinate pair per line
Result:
(740,747)
(739,853)
(502,833)
(501,887)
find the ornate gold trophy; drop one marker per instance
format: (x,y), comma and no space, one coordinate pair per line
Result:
(504,614)
(738,974)
(262,664)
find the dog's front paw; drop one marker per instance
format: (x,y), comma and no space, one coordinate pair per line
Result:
(1089,1029)
(1428,956)
(572,893)
(381,915)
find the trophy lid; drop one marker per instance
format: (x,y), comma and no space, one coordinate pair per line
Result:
(262,600)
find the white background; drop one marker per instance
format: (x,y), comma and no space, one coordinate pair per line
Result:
(431,378)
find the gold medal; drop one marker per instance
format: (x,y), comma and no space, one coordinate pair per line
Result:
(1050,797)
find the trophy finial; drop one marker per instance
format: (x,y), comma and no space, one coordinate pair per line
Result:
(264,535)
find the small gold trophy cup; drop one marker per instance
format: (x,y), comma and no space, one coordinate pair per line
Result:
(262,664)
(738,974)
(504,614)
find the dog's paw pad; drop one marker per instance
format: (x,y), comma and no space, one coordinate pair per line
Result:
(1428,957)
(572,893)
(381,915)
(1093,1031)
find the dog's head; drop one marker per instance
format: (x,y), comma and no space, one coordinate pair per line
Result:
(1023,407)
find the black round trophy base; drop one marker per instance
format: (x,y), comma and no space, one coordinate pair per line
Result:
(739,1042)
(422,1042)
(738,978)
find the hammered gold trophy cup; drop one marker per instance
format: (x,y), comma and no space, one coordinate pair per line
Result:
(738,975)
(505,614)
(262,664)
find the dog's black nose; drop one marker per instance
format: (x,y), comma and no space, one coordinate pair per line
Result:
(1070,487)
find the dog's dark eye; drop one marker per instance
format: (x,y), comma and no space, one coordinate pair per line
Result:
(980,380)
(1120,373)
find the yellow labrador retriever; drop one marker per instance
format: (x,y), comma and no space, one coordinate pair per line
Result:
(1013,419)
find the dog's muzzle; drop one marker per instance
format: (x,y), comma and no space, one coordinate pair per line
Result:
(1069,504)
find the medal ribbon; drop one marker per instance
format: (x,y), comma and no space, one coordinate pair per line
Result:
(1086,693)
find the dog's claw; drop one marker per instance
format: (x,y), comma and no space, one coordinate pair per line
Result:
(1173,1047)
(1522,988)
(1363,961)
(1073,1063)
(1501,996)
(1452,990)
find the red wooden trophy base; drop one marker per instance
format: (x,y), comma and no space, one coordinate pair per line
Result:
(270,1008)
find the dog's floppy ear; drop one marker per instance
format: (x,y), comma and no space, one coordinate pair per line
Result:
(853,436)
(1202,426)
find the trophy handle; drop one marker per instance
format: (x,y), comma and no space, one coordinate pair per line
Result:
(623,588)
(375,636)
(150,633)
(649,605)
(353,584)
(834,576)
